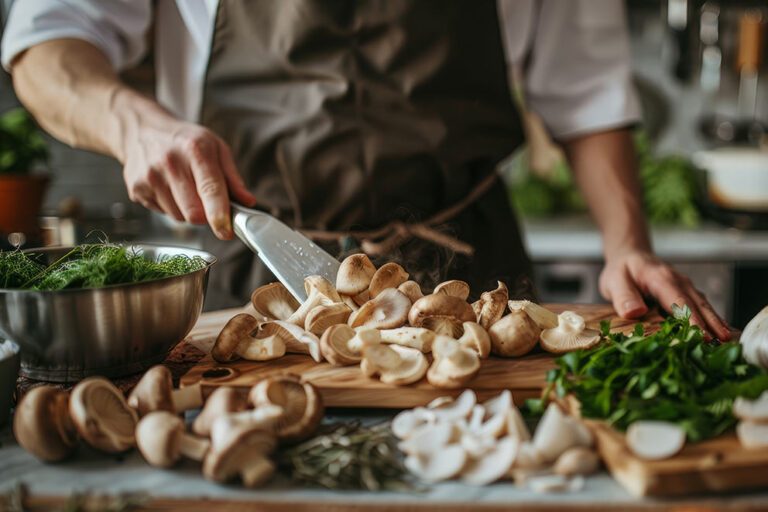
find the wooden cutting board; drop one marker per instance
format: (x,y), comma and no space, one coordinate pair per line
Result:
(347,386)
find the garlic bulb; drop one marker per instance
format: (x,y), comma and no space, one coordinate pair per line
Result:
(754,339)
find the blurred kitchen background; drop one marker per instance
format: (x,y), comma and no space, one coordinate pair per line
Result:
(701,73)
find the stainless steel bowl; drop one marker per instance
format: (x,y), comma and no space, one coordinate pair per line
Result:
(117,330)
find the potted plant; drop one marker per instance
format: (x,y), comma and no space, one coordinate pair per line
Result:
(22,149)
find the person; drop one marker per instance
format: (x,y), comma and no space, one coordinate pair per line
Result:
(371,124)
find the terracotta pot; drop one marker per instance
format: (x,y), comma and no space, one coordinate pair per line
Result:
(21,198)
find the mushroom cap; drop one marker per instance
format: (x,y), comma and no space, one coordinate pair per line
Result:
(655,440)
(543,317)
(301,403)
(475,337)
(440,307)
(42,426)
(393,363)
(454,287)
(245,456)
(388,310)
(274,302)
(441,465)
(240,327)
(224,400)
(154,392)
(102,416)
(336,348)
(321,317)
(412,290)
(296,339)
(414,337)
(570,334)
(453,365)
(755,410)
(389,275)
(158,437)
(491,306)
(320,291)
(354,274)
(493,465)
(514,335)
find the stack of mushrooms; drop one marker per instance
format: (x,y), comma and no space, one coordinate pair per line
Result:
(380,320)
(233,436)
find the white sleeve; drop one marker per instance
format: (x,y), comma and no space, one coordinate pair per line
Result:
(579,75)
(117,27)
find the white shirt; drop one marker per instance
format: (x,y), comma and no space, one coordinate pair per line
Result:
(574,53)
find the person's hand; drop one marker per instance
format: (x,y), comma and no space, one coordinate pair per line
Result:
(629,277)
(185,171)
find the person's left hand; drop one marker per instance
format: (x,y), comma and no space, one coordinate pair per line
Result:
(629,277)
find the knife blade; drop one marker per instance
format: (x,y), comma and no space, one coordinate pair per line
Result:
(290,255)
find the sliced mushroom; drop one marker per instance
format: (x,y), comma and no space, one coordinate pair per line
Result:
(413,337)
(273,301)
(301,403)
(409,421)
(155,392)
(237,340)
(441,313)
(295,339)
(394,364)
(102,416)
(449,409)
(429,438)
(389,275)
(577,461)
(412,290)
(752,434)
(543,317)
(443,464)
(245,455)
(320,292)
(557,432)
(162,440)
(496,414)
(491,306)
(388,310)
(754,410)
(528,457)
(514,335)
(655,440)
(475,337)
(453,365)
(42,426)
(224,400)
(455,288)
(516,426)
(322,317)
(354,275)
(570,334)
(493,465)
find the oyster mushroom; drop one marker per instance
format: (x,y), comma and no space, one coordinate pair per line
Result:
(577,461)
(453,365)
(236,340)
(514,335)
(389,275)
(429,438)
(102,416)
(412,290)
(557,433)
(450,409)
(245,455)
(516,426)
(409,421)
(295,339)
(570,334)
(491,306)
(394,364)
(42,426)
(543,317)
(454,287)
(155,392)
(320,292)
(441,313)
(388,310)
(301,403)
(273,301)
(475,337)
(655,440)
(413,337)
(354,275)
(496,413)
(322,317)
(493,465)
(342,345)
(162,440)
(443,464)
(224,400)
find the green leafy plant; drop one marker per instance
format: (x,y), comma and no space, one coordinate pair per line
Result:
(673,374)
(22,146)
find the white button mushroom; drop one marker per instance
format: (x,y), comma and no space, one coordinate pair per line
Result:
(162,440)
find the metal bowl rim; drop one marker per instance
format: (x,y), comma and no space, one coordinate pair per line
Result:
(209,258)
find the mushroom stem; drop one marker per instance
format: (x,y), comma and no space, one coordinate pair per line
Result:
(193,447)
(188,397)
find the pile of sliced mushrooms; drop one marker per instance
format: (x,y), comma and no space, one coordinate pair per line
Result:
(233,436)
(381,320)
(482,443)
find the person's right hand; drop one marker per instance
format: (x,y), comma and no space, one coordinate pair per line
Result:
(186,171)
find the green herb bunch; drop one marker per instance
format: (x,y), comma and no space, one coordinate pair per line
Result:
(16,269)
(21,144)
(673,375)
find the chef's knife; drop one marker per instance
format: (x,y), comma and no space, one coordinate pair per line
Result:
(287,253)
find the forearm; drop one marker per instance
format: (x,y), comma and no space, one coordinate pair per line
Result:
(605,170)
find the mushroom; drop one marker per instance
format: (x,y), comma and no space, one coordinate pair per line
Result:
(394,364)
(388,310)
(491,306)
(429,438)
(244,455)
(409,421)
(475,337)
(443,464)
(273,301)
(754,410)
(320,292)
(516,426)
(496,415)
(42,426)
(389,275)
(514,335)
(752,434)
(301,403)
(295,339)
(493,465)
(570,334)
(453,365)
(528,457)
(322,317)
(413,337)
(237,340)
(557,432)
(155,392)
(162,440)
(227,427)
(543,317)
(342,345)
(555,483)
(354,275)
(224,400)
(350,302)
(449,409)
(412,290)
(655,440)
(441,313)
(454,287)
(577,461)
(102,416)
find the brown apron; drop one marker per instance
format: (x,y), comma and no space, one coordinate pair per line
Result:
(352,114)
